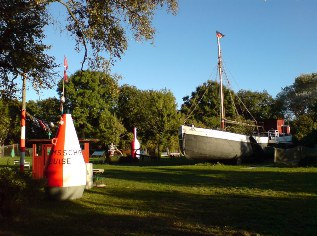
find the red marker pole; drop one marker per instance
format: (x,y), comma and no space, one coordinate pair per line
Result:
(135,145)
(23,118)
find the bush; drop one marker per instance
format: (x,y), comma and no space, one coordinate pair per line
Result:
(127,159)
(308,161)
(12,186)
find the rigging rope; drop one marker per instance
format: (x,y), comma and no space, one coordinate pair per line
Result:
(40,123)
(245,107)
(195,104)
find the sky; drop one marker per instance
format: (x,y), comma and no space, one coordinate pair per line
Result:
(267,44)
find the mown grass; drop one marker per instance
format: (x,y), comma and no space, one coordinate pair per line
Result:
(155,198)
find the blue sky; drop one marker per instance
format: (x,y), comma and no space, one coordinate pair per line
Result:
(267,44)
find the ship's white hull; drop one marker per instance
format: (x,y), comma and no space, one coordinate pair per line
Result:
(210,144)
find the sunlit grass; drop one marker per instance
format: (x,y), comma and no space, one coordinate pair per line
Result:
(201,199)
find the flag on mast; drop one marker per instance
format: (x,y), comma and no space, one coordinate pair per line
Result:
(65,69)
(219,35)
(65,63)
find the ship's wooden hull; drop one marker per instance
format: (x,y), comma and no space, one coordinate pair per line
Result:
(209,144)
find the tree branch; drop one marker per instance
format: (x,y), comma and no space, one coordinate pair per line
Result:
(80,33)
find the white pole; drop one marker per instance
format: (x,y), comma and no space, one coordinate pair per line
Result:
(222,124)
(62,99)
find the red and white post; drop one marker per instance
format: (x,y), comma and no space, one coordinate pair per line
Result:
(23,118)
(135,145)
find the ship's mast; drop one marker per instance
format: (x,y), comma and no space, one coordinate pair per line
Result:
(222,114)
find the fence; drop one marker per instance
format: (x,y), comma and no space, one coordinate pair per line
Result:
(293,156)
(13,150)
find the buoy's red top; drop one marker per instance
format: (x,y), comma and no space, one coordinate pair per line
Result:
(66,166)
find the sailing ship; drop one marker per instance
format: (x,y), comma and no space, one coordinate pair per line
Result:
(219,144)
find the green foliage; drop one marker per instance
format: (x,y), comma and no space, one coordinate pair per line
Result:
(257,105)
(12,186)
(131,106)
(202,108)
(304,128)
(241,126)
(300,97)
(100,26)
(13,135)
(48,111)
(91,97)
(22,51)
(154,113)
(298,102)
(101,109)
(162,120)
(4,122)
(110,128)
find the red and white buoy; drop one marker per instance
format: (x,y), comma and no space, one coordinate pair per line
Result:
(65,168)
(135,146)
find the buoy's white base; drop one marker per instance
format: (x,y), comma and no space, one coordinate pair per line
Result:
(65,193)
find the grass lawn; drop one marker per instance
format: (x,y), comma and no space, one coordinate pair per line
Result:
(162,198)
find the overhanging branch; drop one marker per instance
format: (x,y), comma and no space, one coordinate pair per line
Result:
(80,33)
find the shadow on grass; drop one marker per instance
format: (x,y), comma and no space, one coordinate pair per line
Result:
(248,208)
(205,214)
(155,161)
(170,213)
(179,161)
(181,207)
(70,218)
(303,182)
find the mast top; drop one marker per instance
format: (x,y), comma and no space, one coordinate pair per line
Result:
(219,35)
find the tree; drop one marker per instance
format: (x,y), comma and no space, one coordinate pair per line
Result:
(162,120)
(298,102)
(14,109)
(101,25)
(257,105)
(300,97)
(130,107)
(91,97)
(202,108)
(304,129)
(98,27)
(22,52)
(154,113)
(4,122)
